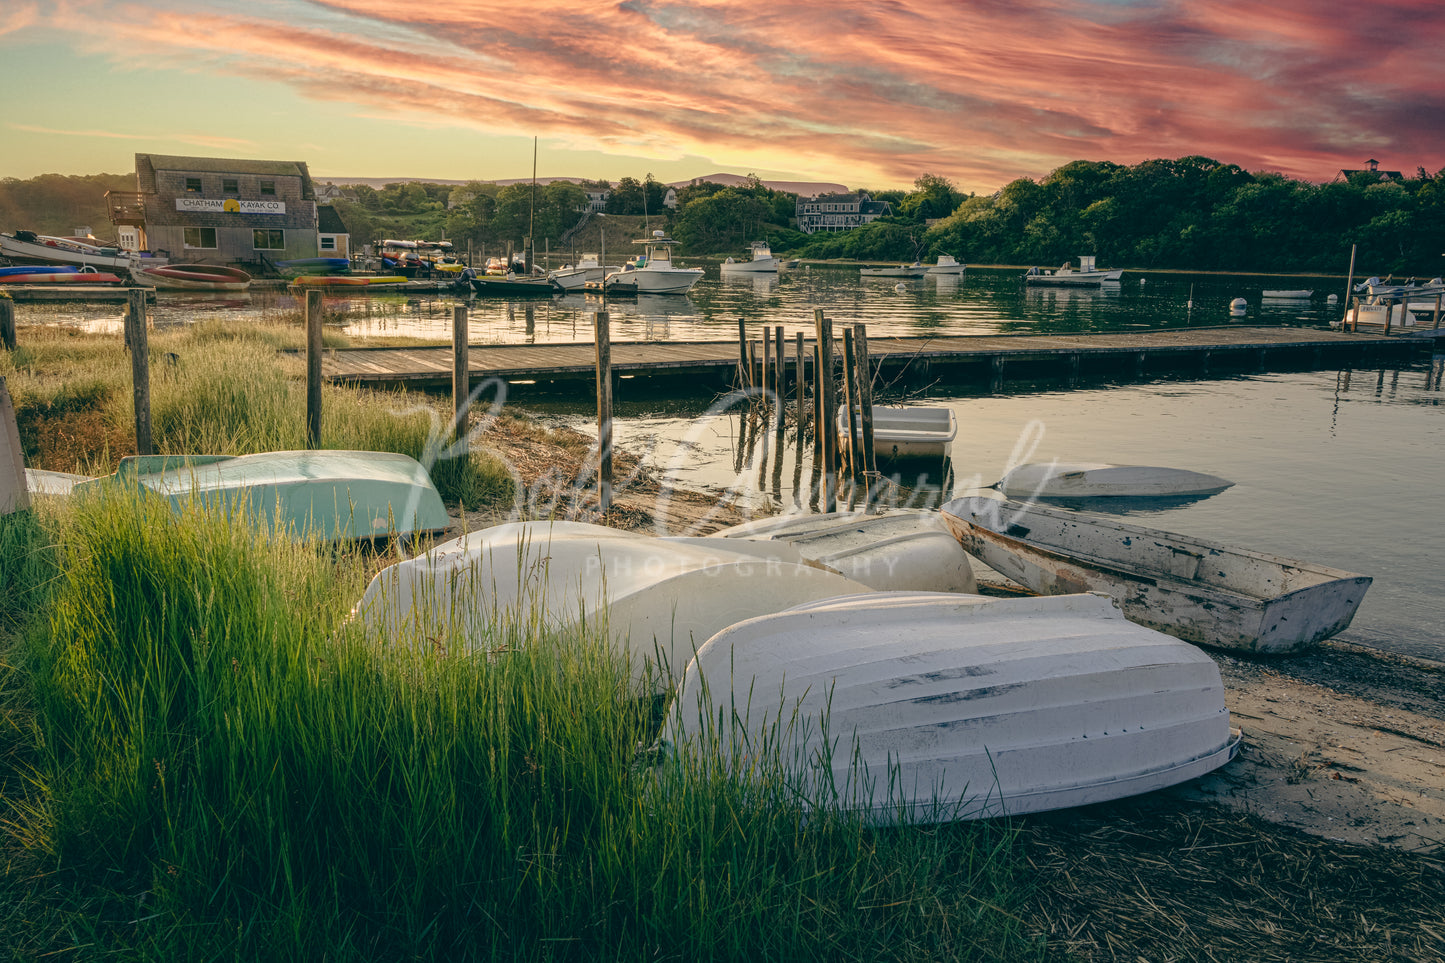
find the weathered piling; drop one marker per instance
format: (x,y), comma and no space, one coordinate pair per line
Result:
(865,400)
(14,494)
(136,338)
(7,324)
(743,370)
(827,406)
(604,411)
(461,379)
(850,404)
(313,369)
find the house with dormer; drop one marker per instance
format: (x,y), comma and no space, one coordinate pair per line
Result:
(1372,169)
(838,212)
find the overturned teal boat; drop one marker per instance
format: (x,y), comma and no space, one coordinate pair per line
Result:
(332,495)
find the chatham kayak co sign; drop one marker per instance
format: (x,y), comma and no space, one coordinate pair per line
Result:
(229,205)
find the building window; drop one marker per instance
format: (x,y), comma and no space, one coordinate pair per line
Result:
(193,185)
(268,240)
(268,187)
(200,237)
(328,244)
(229,185)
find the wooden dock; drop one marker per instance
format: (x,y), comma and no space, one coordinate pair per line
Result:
(910,361)
(72,292)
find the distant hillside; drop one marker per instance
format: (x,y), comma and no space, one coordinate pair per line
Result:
(805,188)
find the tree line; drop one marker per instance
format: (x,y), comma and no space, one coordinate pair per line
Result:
(1190,213)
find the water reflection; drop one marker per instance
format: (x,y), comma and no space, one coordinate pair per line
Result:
(982,301)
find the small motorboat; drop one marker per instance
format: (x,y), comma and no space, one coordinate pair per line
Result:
(903,549)
(1085,275)
(1193,589)
(947,265)
(1091,480)
(1298,294)
(654,272)
(333,495)
(514,285)
(905,432)
(914,270)
(587,269)
(916,707)
(760,260)
(658,599)
(27,247)
(191,277)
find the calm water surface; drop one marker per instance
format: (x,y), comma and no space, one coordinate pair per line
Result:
(1336,467)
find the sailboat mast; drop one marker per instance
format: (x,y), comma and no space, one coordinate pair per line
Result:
(532,214)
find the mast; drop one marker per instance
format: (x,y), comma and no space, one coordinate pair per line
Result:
(532,214)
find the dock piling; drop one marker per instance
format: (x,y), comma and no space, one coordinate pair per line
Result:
(313,369)
(7,323)
(461,379)
(136,337)
(604,411)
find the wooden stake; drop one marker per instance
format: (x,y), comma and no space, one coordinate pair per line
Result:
(14,494)
(850,403)
(7,324)
(781,387)
(802,381)
(743,370)
(313,369)
(604,411)
(136,337)
(865,401)
(461,379)
(829,410)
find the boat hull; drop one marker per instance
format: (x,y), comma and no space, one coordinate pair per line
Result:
(491,287)
(330,494)
(922,707)
(192,277)
(1193,589)
(62,277)
(645,281)
(1070,480)
(901,433)
(898,550)
(1074,278)
(60,250)
(657,600)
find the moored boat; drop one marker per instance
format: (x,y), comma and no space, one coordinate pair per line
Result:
(914,270)
(315,265)
(1086,275)
(947,265)
(760,259)
(1194,589)
(929,707)
(588,269)
(331,494)
(905,432)
(191,277)
(514,285)
(1293,294)
(657,600)
(654,272)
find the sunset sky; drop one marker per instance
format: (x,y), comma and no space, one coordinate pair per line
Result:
(865,94)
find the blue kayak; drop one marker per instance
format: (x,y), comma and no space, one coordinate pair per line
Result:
(38,269)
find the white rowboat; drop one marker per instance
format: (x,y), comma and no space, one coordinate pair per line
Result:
(1196,590)
(906,549)
(905,432)
(923,707)
(658,599)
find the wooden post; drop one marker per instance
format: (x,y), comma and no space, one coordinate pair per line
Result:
(136,336)
(829,412)
(461,379)
(766,381)
(850,403)
(604,412)
(802,382)
(1438,297)
(313,369)
(1350,282)
(7,324)
(865,401)
(743,370)
(780,388)
(14,496)
(1355,317)
(1389,311)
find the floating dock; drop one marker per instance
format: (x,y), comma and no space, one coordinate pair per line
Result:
(72,292)
(910,361)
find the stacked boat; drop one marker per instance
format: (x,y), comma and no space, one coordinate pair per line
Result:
(190,277)
(57,274)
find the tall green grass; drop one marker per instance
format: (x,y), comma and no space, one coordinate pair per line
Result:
(273,784)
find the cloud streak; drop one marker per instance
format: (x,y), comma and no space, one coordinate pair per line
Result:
(876,94)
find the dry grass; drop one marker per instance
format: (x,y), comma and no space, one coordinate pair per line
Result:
(1159,881)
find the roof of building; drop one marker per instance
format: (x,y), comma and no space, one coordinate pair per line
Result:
(146,166)
(328,220)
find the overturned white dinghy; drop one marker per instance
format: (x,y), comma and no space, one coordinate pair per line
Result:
(904,432)
(905,549)
(1095,480)
(656,597)
(931,707)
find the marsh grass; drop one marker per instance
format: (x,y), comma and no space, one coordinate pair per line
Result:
(221,388)
(229,767)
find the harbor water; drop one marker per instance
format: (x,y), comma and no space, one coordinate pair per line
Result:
(1337,467)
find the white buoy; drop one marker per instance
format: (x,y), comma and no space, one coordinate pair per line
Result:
(900,286)
(1238,306)
(1143,281)
(1333,299)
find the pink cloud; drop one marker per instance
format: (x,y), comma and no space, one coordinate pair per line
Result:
(873,94)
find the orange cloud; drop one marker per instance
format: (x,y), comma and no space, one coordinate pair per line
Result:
(874,94)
